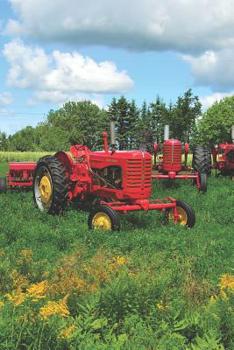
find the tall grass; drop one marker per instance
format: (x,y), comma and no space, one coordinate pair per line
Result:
(147,287)
(21,156)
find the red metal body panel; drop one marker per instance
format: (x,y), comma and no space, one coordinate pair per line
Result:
(20,174)
(172,152)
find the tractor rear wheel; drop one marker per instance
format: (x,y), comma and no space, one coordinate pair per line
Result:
(202,160)
(50,185)
(203,182)
(104,218)
(185,212)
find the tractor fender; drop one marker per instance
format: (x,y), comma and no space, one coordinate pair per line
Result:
(66,160)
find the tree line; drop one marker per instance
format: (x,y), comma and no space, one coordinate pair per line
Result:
(83,122)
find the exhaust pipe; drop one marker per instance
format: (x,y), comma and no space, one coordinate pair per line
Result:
(232,133)
(112,133)
(166,132)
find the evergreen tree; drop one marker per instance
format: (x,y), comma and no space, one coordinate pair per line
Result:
(183,116)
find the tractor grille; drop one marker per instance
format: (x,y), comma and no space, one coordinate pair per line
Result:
(139,173)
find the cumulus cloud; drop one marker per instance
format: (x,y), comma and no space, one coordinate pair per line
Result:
(60,76)
(5,98)
(209,100)
(142,25)
(213,69)
(201,30)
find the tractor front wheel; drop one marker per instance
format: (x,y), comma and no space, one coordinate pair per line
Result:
(186,215)
(104,218)
(50,185)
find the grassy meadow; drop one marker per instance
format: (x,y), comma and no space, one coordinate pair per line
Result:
(148,286)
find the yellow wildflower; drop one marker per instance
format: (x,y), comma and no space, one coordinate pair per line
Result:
(17,298)
(38,290)
(19,282)
(121,260)
(213,299)
(161,306)
(1,304)
(118,261)
(227,281)
(55,308)
(67,332)
(26,254)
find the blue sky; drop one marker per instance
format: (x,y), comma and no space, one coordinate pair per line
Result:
(76,49)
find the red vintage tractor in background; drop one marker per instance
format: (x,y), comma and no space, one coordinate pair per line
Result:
(169,164)
(109,182)
(20,175)
(223,157)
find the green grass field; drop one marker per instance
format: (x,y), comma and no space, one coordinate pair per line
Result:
(146,287)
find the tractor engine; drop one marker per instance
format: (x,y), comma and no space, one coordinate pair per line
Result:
(122,174)
(172,151)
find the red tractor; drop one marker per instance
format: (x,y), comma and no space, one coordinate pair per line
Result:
(20,175)
(223,158)
(170,166)
(109,182)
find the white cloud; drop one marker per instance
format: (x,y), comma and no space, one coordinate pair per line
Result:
(213,69)
(59,76)
(209,100)
(5,98)
(184,25)
(202,30)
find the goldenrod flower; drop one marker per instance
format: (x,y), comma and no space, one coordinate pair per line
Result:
(26,254)
(213,299)
(121,260)
(161,306)
(227,282)
(117,262)
(55,308)
(17,299)
(38,290)
(67,332)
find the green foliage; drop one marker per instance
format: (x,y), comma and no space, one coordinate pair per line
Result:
(215,126)
(183,116)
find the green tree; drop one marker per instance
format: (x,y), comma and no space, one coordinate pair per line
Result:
(183,115)
(78,122)
(126,115)
(215,125)
(24,140)
(158,119)
(3,141)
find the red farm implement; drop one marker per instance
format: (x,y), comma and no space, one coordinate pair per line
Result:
(108,182)
(169,164)
(20,175)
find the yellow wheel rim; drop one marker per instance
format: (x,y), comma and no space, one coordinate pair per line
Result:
(45,189)
(101,221)
(182,216)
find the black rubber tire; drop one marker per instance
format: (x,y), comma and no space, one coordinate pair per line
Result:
(112,214)
(191,218)
(59,184)
(203,182)
(202,160)
(3,184)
